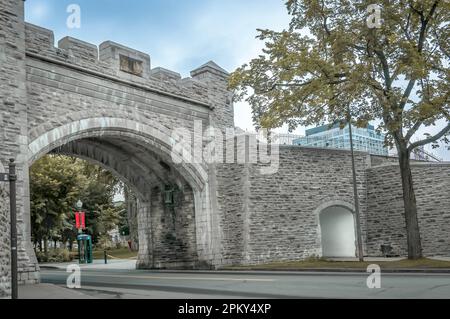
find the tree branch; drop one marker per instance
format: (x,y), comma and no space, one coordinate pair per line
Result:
(413,130)
(385,67)
(331,82)
(430,139)
(407,93)
(407,35)
(420,44)
(325,26)
(438,41)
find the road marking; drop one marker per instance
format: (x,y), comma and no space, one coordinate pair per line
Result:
(180,278)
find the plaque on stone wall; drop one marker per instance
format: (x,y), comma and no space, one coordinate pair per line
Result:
(131,65)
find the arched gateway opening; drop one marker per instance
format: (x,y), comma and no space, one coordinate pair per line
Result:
(337,228)
(172,218)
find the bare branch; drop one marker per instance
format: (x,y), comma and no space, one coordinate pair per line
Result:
(430,139)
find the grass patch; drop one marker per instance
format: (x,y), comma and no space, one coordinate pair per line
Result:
(423,263)
(121,253)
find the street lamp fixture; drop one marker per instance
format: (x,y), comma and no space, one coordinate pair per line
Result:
(79,206)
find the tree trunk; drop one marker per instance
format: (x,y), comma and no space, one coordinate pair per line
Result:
(409,200)
(46,247)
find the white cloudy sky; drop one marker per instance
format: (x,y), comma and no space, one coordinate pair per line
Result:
(179,35)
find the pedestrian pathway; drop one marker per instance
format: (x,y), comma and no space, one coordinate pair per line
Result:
(125,264)
(49,291)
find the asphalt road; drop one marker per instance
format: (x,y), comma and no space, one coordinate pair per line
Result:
(189,284)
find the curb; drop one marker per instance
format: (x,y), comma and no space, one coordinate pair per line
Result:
(344,270)
(291,271)
(50,267)
(309,271)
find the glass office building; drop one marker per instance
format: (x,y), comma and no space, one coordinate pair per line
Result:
(284,138)
(364,139)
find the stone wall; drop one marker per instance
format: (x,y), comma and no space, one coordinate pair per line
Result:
(274,217)
(283,216)
(13,124)
(81,55)
(231,204)
(4,239)
(170,235)
(378,160)
(386,221)
(131,207)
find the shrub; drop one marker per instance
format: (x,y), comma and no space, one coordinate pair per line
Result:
(58,255)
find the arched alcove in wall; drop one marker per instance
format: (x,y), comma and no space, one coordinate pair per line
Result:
(337,227)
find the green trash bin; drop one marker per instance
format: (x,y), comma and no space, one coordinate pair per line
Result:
(84,249)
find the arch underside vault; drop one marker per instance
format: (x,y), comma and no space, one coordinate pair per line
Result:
(171,235)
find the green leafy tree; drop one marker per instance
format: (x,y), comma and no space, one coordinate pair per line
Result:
(340,60)
(54,187)
(102,215)
(57,183)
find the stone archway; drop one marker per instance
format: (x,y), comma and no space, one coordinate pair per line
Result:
(140,155)
(336,229)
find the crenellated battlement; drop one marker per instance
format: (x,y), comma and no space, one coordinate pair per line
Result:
(126,64)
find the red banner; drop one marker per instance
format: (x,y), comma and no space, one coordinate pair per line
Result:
(80,220)
(83,220)
(77,220)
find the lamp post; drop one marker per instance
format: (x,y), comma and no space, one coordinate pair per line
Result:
(13,213)
(355,190)
(79,206)
(81,246)
(11,177)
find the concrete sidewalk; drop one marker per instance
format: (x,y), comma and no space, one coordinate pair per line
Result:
(98,264)
(49,291)
(443,258)
(130,264)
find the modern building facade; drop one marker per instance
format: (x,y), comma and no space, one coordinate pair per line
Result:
(285,138)
(332,136)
